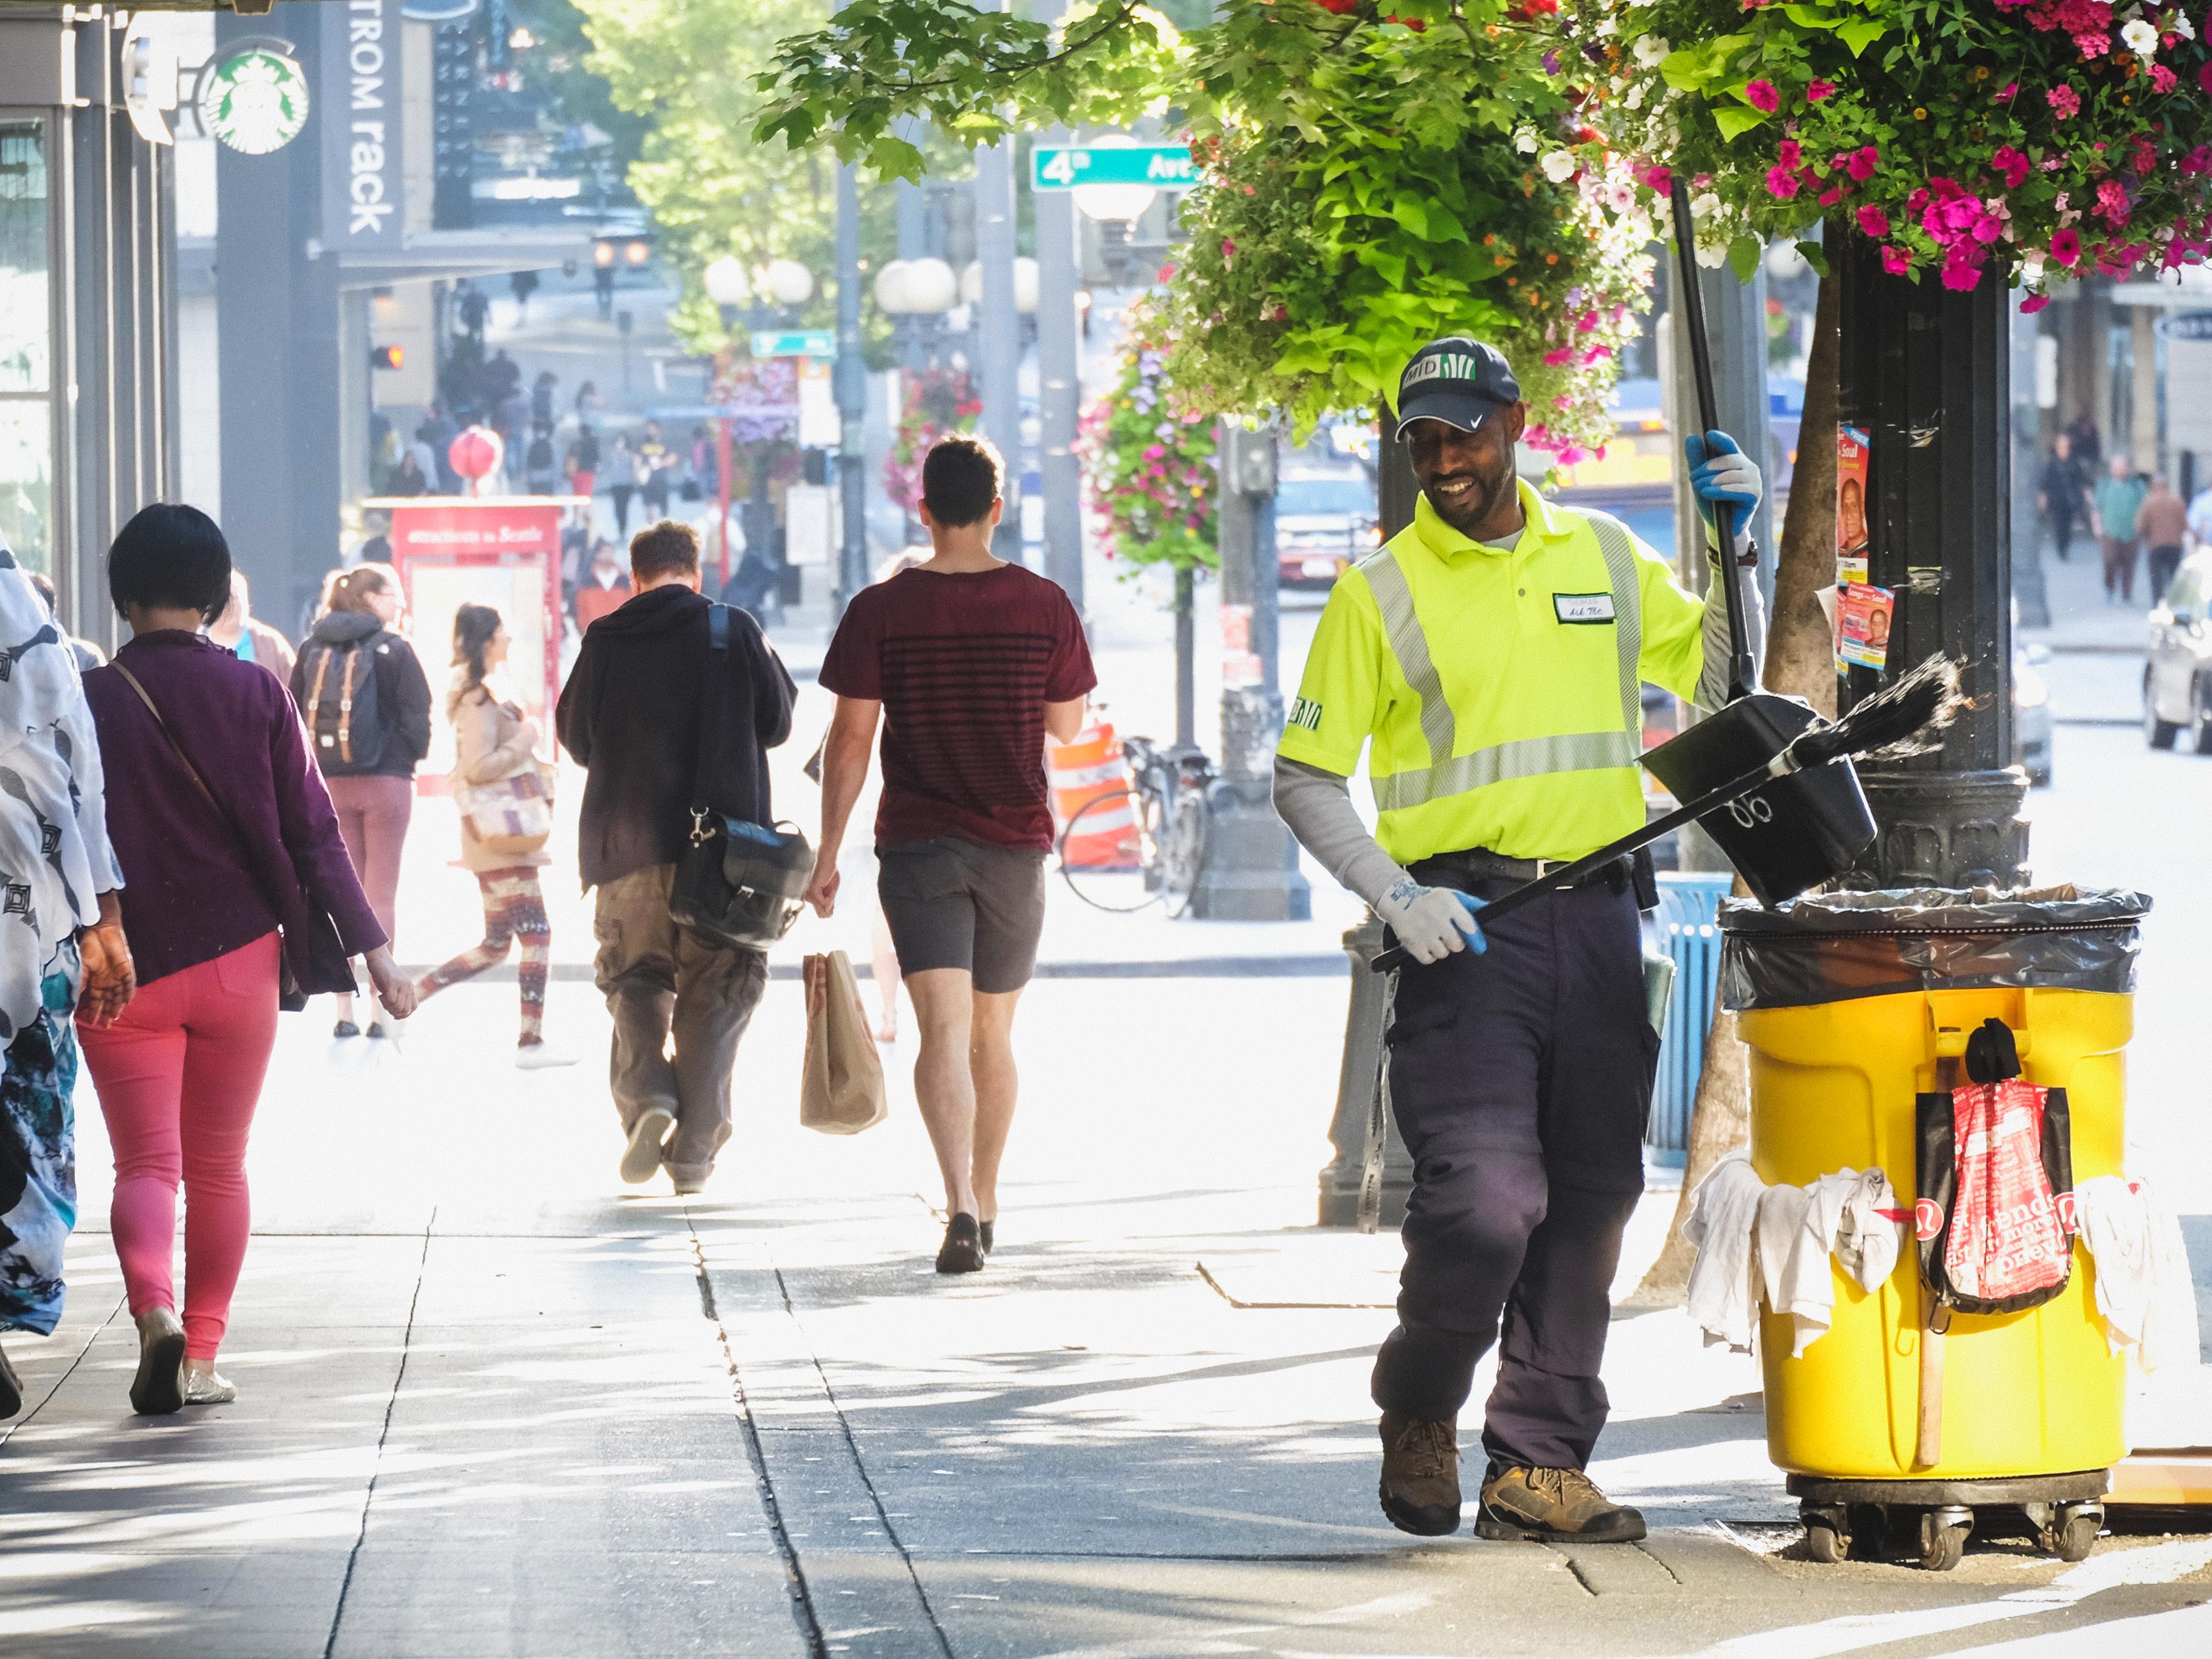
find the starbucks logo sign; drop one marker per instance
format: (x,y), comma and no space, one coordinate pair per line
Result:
(255,101)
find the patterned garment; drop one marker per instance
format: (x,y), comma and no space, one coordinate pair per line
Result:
(37,1156)
(514,909)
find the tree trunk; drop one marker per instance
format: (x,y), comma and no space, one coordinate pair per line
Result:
(1801,662)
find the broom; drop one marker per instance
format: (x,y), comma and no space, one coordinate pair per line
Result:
(1901,721)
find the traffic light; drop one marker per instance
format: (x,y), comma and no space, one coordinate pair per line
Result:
(386,357)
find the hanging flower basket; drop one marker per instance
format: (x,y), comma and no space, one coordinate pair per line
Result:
(939,401)
(1148,458)
(2014,139)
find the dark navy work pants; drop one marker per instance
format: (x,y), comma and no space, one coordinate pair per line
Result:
(1521,1079)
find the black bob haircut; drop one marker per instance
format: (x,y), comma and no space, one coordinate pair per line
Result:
(960,479)
(170,557)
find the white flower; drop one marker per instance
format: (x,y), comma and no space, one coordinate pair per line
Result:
(1559,166)
(2031,267)
(1705,205)
(1712,255)
(1607,27)
(1525,141)
(2141,38)
(2180,25)
(1635,99)
(1650,48)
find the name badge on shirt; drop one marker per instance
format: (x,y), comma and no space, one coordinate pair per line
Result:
(1583,607)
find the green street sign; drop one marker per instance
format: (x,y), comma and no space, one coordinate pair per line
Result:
(794,343)
(255,101)
(1164,166)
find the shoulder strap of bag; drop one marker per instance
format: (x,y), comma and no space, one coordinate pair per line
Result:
(715,695)
(238,833)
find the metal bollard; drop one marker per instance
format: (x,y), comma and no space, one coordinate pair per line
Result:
(1359,1083)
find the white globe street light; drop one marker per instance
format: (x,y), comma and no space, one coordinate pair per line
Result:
(931,287)
(1114,202)
(891,289)
(1025,286)
(787,281)
(728,282)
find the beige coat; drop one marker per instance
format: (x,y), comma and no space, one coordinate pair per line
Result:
(492,740)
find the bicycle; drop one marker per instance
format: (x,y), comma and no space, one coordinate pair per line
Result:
(1161,818)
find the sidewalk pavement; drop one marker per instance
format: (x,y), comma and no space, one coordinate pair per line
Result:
(491,1402)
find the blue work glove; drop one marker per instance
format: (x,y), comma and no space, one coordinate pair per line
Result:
(1721,472)
(1432,922)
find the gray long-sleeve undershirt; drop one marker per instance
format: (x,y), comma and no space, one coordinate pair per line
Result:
(1316,804)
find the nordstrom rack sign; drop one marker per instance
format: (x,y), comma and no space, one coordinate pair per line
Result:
(363,186)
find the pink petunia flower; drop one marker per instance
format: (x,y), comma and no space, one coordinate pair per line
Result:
(2010,165)
(1959,276)
(2162,81)
(2033,303)
(1558,355)
(1659,178)
(1894,259)
(2067,103)
(2066,248)
(1762,96)
(1818,91)
(2009,91)
(1861,162)
(1781,183)
(1833,194)
(2204,79)
(1791,155)
(1874,222)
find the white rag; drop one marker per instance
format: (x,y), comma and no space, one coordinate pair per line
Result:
(2144,1290)
(1840,1216)
(1722,1212)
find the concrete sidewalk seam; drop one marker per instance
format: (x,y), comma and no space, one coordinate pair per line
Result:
(860,1467)
(383,1434)
(805,1614)
(68,1371)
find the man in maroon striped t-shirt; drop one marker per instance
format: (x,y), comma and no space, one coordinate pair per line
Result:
(970,662)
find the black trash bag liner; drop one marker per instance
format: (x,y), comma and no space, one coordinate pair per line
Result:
(1830,947)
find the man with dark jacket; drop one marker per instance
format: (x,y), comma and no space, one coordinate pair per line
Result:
(632,714)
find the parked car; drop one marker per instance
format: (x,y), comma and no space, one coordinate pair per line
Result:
(2031,714)
(2177,683)
(1323,521)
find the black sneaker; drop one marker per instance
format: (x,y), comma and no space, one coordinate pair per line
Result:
(963,1251)
(345,1028)
(984,1228)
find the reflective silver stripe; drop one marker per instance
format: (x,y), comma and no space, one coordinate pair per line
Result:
(1527,757)
(1628,618)
(1410,648)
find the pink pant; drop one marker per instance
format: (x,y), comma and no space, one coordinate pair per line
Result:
(178,1077)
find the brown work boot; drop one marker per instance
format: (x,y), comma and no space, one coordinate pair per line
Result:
(1553,1506)
(1420,1475)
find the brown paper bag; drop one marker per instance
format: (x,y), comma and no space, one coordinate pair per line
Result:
(842,1090)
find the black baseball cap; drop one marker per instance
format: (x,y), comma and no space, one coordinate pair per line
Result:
(1456,381)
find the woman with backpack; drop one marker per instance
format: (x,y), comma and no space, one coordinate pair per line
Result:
(506,820)
(367,704)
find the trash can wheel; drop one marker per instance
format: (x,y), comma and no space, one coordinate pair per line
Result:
(2072,1532)
(1943,1534)
(1828,1531)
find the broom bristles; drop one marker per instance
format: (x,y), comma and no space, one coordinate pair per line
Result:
(1906,718)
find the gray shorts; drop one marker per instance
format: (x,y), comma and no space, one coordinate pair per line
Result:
(957,904)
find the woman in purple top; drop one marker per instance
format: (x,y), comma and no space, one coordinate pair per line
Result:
(225,834)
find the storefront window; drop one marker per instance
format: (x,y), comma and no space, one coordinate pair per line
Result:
(26,417)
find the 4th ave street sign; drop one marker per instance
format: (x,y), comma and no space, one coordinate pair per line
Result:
(1164,166)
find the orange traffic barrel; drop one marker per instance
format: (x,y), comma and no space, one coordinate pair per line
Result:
(1086,770)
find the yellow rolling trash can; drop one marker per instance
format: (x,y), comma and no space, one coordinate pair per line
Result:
(1852,1004)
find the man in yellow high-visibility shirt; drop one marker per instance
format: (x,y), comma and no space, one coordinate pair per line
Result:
(1493,653)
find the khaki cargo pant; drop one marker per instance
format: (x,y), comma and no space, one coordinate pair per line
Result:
(660,983)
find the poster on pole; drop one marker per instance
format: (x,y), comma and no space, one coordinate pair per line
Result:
(502,551)
(1852,447)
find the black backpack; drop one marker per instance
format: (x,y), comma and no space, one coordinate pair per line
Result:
(343,719)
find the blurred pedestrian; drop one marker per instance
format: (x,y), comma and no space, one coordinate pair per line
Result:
(474,308)
(408,478)
(376,546)
(605,587)
(539,466)
(969,661)
(621,477)
(2087,442)
(633,714)
(247,636)
(541,399)
(2119,501)
(366,705)
(72,953)
(2162,527)
(88,656)
(228,836)
(654,464)
(524,283)
(496,741)
(584,463)
(437,433)
(2062,494)
(588,405)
